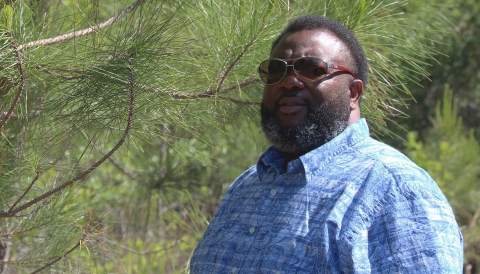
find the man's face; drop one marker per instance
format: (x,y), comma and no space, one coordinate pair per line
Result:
(298,116)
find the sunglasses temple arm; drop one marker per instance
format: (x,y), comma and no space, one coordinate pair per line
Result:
(342,68)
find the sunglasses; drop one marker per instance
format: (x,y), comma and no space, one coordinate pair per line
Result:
(308,69)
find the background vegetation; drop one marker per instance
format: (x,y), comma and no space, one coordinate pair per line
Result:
(122,122)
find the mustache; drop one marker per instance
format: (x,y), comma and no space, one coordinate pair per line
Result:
(276,104)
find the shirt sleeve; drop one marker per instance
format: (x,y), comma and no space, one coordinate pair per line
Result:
(415,231)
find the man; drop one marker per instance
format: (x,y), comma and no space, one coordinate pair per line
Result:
(326,198)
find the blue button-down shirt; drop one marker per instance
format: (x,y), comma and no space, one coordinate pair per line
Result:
(353,205)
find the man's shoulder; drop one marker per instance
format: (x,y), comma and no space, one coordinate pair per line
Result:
(391,158)
(247,177)
(405,175)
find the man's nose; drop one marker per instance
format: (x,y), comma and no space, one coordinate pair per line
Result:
(291,81)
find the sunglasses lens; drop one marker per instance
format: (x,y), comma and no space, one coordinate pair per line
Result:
(272,71)
(310,69)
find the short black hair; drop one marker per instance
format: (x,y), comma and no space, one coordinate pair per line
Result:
(314,22)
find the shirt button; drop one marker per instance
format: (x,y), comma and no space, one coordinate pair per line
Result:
(278,272)
(300,174)
(252,229)
(273,192)
(234,270)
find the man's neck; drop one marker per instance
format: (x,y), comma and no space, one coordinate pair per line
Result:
(288,158)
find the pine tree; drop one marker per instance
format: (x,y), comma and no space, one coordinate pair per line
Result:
(450,156)
(96,94)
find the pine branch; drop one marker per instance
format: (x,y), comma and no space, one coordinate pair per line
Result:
(175,95)
(16,232)
(60,257)
(224,73)
(5,85)
(241,85)
(13,115)
(125,172)
(12,213)
(208,93)
(59,75)
(39,207)
(238,102)
(221,76)
(87,31)
(23,79)
(25,192)
(88,232)
(26,262)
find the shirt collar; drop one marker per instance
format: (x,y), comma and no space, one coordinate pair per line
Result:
(316,159)
(271,158)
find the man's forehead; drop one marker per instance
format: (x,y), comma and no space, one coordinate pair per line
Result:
(317,42)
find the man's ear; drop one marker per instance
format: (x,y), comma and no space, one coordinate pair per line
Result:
(356,90)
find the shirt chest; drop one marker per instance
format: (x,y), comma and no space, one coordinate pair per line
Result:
(286,227)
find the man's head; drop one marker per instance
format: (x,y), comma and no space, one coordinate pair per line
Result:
(299,115)
(317,22)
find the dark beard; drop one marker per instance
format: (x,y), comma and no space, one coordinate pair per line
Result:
(323,124)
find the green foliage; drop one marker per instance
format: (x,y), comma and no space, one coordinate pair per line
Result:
(456,41)
(123,134)
(6,17)
(157,213)
(450,156)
